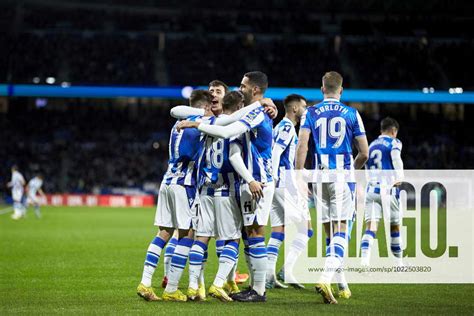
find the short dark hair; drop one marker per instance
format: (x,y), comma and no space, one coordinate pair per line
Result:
(332,81)
(232,100)
(258,79)
(388,123)
(200,98)
(217,83)
(292,98)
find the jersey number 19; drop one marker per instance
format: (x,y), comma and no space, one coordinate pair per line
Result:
(336,127)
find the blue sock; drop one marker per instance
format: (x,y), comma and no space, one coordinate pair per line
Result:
(334,256)
(227,261)
(219,247)
(151,260)
(395,244)
(196,258)
(365,245)
(258,259)
(178,263)
(273,247)
(169,250)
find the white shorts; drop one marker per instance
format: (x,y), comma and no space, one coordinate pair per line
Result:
(17,195)
(256,211)
(285,201)
(334,201)
(374,208)
(176,206)
(219,217)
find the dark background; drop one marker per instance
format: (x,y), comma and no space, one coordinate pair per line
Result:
(95,145)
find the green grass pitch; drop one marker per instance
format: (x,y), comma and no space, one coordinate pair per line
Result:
(89,261)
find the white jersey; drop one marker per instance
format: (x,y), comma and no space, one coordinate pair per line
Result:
(17,181)
(34,185)
(284,135)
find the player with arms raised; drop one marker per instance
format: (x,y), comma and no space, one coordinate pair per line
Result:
(334,127)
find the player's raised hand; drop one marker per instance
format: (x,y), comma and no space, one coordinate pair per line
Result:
(186,124)
(270,107)
(256,188)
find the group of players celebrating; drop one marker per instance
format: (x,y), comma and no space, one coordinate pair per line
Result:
(226,179)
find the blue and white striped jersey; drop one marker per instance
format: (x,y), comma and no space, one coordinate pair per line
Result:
(284,135)
(257,144)
(333,126)
(184,151)
(380,158)
(380,152)
(217,177)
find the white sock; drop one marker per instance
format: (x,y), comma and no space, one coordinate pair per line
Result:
(151,261)
(37,211)
(341,280)
(366,246)
(334,256)
(196,256)
(17,211)
(396,247)
(273,248)
(178,263)
(258,259)
(201,275)
(233,271)
(227,261)
(296,248)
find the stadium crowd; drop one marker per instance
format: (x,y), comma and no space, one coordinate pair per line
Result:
(292,44)
(99,144)
(93,146)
